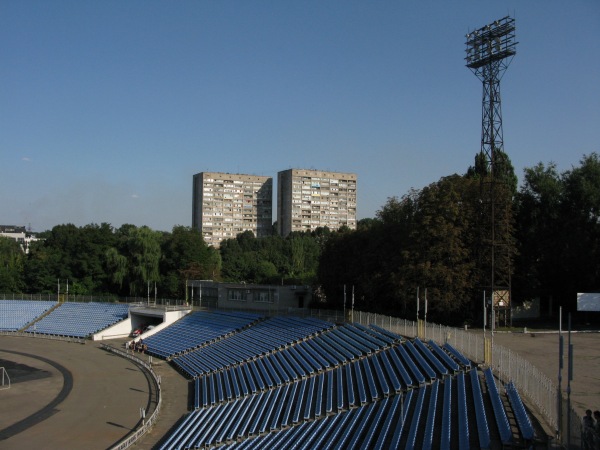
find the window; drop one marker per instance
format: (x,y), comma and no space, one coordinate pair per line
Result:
(263,297)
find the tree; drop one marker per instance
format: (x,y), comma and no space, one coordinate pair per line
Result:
(135,260)
(11,266)
(538,205)
(440,253)
(559,232)
(185,255)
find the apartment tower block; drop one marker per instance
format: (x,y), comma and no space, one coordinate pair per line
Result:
(225,205)
(309,199)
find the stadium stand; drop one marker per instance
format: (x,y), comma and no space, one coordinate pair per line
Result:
(18,314)
(80,319)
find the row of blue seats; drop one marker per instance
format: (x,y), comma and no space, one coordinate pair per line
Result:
(196,330)
(394,422)
(301,359)
(313,404)
(523,422)
(269,411)
(368,379)
(250,343)
(80,319)
(389,423)
(16,314)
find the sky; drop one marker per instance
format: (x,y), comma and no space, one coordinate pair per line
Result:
(108,108)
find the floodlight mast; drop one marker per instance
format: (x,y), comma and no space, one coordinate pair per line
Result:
(490,50)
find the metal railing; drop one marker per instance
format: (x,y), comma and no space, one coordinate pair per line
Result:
(64,297)
(52,337)
(146,424)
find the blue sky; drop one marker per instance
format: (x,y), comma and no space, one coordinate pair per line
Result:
(108,108)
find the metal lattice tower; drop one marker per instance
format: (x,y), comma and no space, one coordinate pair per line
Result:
(490,51)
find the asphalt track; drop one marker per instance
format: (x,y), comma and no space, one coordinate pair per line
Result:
(74,396)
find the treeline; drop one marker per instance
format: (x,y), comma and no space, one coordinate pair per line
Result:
(432,238)
(127,261)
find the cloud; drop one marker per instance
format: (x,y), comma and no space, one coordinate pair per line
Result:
(26,159)
(135,196)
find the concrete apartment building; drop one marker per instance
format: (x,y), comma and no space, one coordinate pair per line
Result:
(225,205)
(308,199)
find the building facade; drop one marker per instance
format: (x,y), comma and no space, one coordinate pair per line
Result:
(19,234)
(225,205)
(309,199)
(249,297)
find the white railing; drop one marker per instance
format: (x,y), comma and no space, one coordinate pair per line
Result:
(146,424)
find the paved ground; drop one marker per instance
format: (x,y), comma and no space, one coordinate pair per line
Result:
(72,396)
(541,349)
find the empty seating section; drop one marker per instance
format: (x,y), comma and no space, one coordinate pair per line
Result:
(430,422)
(463,428)
(303,383)
(499,413)
(430,358)
(525,427)
(357,382)
(446,437)
(80,319)
(248,344)
(444,357)
(197,329)
(16,314)
(483,429)
(459,356)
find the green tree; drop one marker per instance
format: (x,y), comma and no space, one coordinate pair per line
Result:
(185,256)
(559,232)
(11,266)
(539,229)
(440,252)
(140,248)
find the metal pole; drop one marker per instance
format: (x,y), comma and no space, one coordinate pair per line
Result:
(484,323)
(560,367)
(352,315)
(425,317)
(344,302)
(569,378)
(492,332)
(417,303)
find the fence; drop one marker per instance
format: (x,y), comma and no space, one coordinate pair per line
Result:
(63,297)
(146,424)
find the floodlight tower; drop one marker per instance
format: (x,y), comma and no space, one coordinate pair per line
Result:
(490,50)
